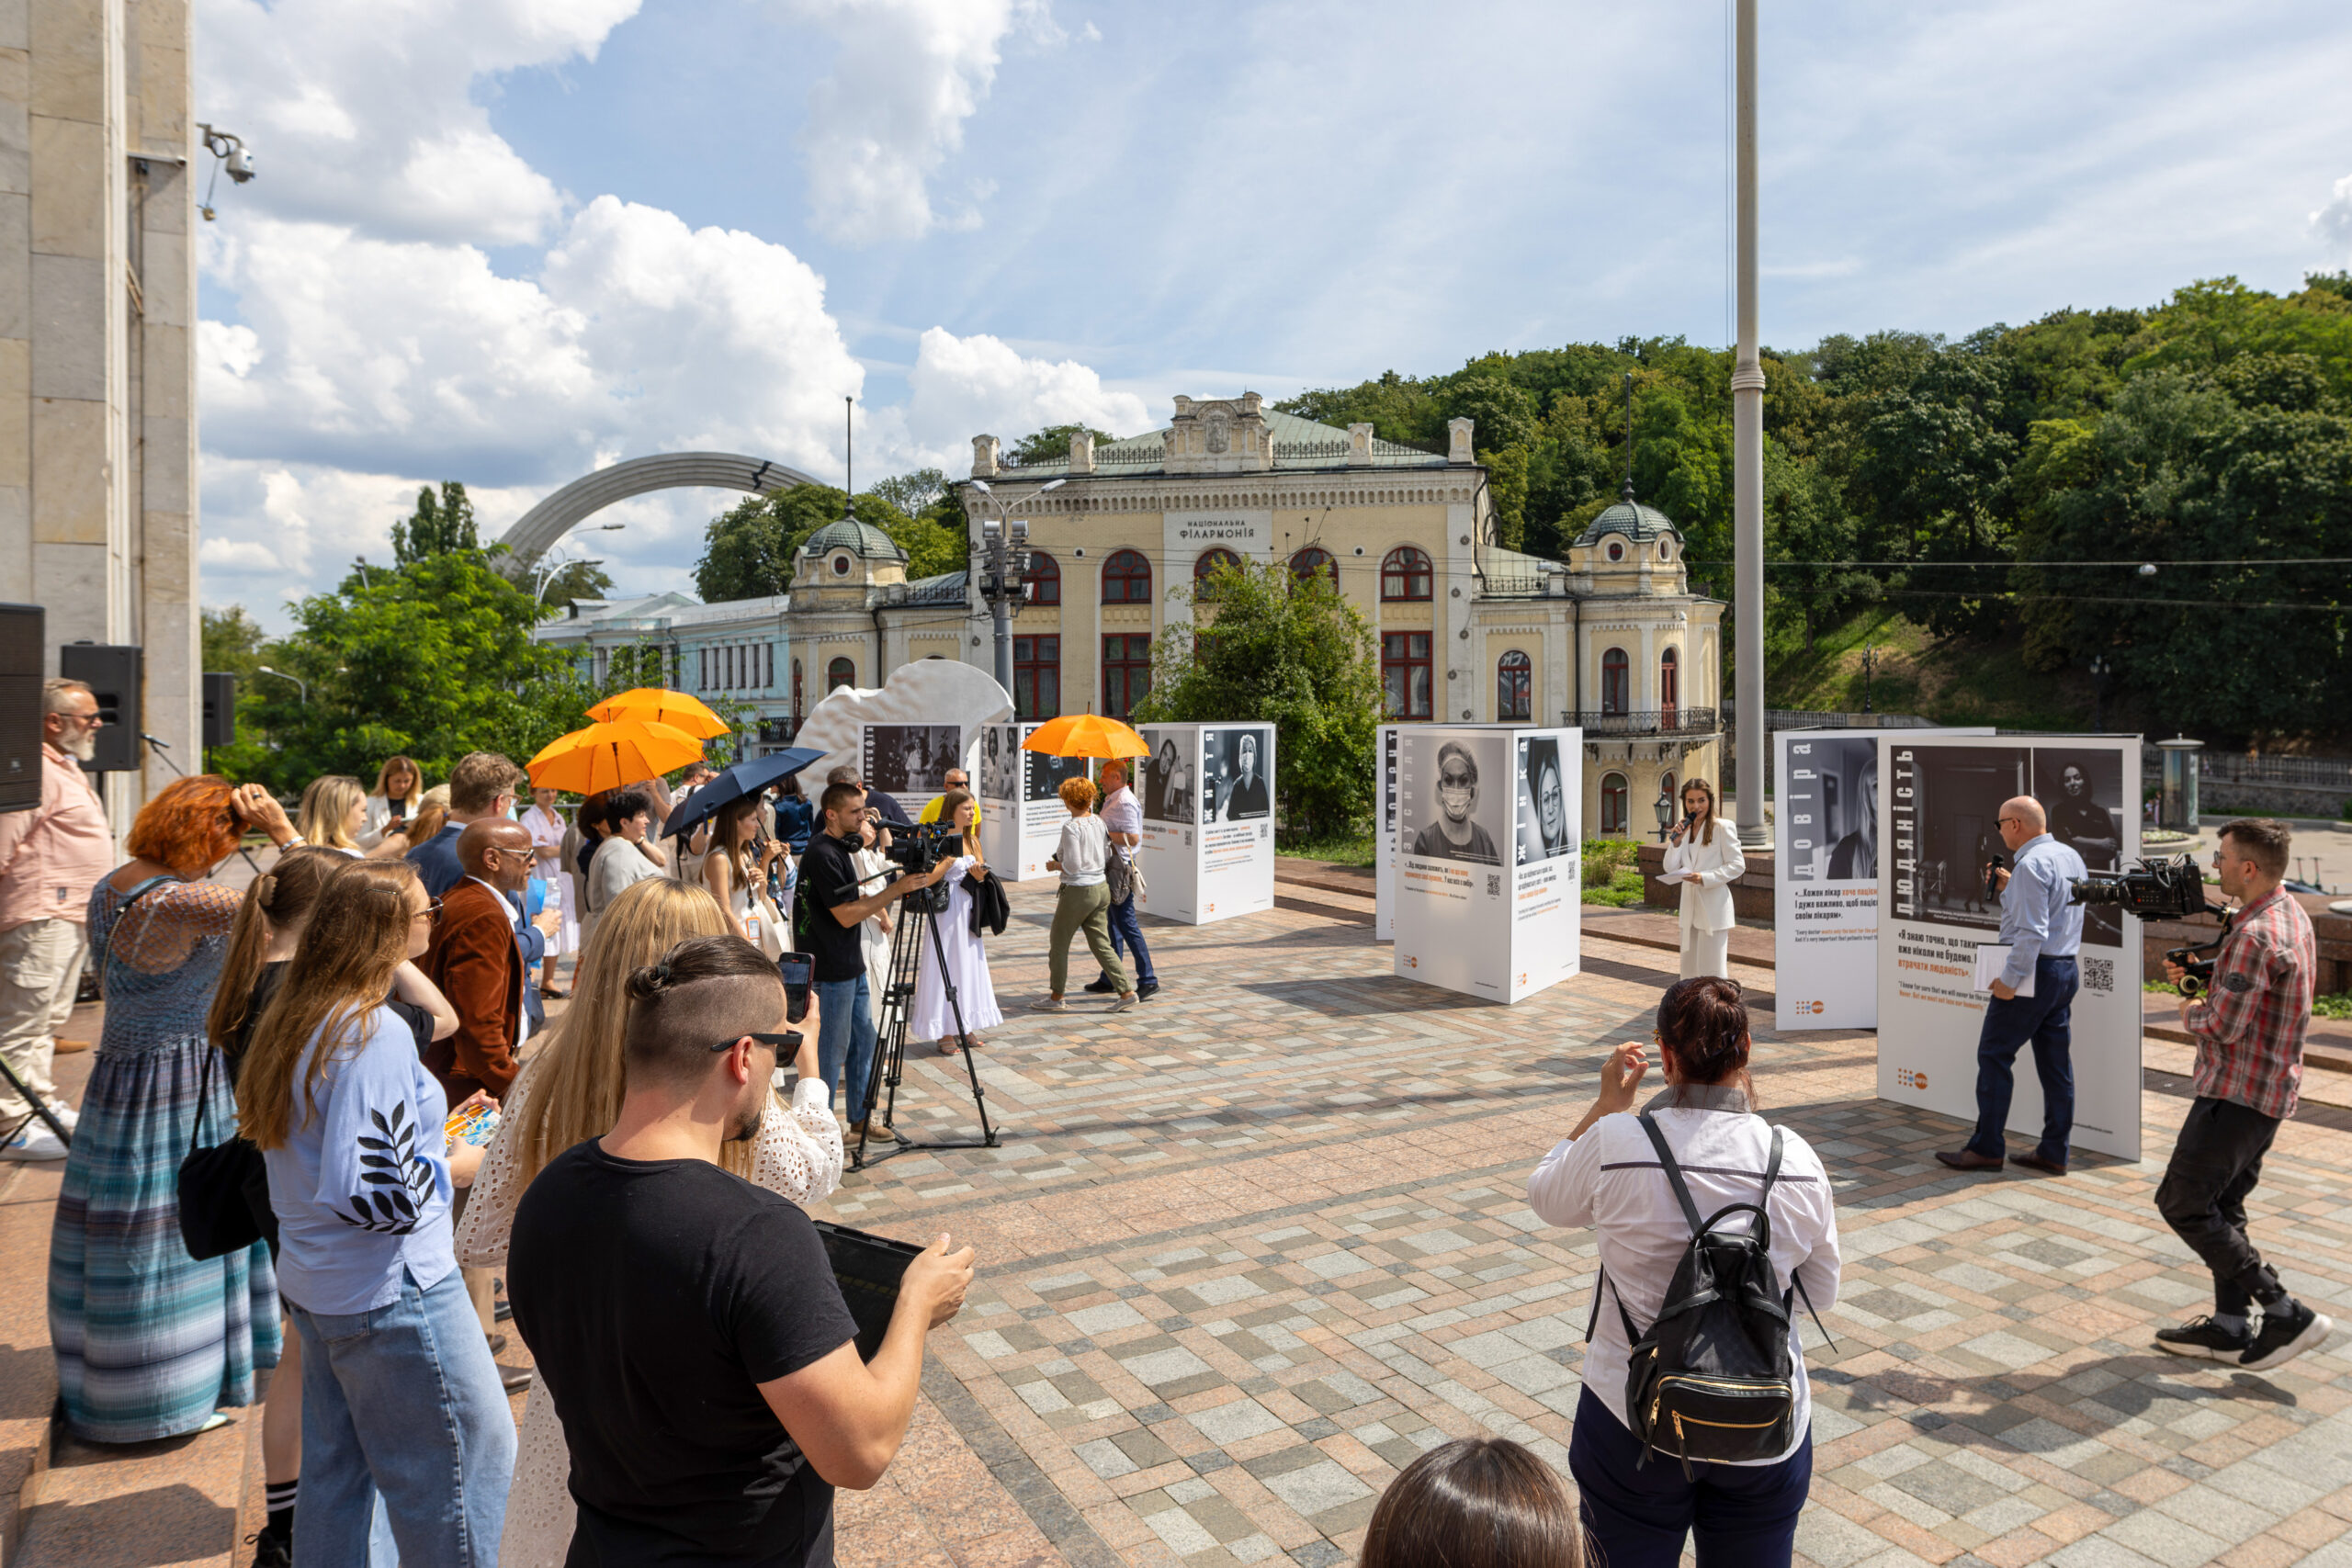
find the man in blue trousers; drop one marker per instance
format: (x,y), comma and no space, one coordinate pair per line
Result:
(2043,929)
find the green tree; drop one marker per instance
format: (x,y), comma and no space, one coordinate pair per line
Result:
(747,550)
(573,581)
(439,524)
(1296,655)
(1051,445)
(233,642)
(912,493)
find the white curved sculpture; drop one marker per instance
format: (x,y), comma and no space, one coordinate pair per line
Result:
(928,690)
(554,517)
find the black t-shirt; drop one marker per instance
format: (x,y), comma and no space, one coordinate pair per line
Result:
(828,879)
(265,991)
(656,1295)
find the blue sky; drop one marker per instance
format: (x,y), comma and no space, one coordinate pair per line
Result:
(506,240)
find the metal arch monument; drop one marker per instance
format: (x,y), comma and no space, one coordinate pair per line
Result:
(554,517)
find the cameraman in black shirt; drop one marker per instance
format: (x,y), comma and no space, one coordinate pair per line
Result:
(686,1322)
(826,908)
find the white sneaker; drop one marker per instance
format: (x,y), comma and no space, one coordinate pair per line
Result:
(33,1141)
(66,1115)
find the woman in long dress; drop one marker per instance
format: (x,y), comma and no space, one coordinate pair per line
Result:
(150,1342)
(968,956)
(570,1091)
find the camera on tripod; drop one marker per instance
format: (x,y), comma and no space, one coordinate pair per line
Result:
(2170,887)
(916,850)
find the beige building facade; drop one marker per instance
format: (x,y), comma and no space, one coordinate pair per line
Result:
(97,320)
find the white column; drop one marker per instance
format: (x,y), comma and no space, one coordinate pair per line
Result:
(1747,468)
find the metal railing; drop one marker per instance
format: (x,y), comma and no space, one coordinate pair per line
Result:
(1813,718)
(1644,721)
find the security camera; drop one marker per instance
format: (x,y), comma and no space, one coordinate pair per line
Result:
(240,163)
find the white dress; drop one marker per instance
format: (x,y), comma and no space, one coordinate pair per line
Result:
(967,966)
(797,1154)
(870,934)
(546,829)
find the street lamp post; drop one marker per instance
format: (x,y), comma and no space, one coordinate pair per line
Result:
(301,685)
(1747,462)
(1004,545)
(1664,806)
(2099,669)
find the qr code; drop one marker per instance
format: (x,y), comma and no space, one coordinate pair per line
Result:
(1494,886)
(2099,973)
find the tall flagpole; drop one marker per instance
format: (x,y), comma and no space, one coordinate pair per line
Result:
(1747,472)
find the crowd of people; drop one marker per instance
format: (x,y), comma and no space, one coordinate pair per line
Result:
(363,1031)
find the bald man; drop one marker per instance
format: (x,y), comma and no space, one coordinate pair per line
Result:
(480,954)
(2043,930)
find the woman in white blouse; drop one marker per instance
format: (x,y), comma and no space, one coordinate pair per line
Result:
(1085,903)
(1703,856)
(1606,1176)
(570,1091)
(392,807)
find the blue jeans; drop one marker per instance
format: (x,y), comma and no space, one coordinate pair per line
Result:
(1126,935)
(2045,1019)
(845,1038)
(402,1409)
(1639,1513)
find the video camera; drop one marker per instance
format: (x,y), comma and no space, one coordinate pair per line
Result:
(2170,887)
(914,851)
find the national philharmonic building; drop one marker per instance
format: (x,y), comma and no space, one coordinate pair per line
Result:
(1612,640)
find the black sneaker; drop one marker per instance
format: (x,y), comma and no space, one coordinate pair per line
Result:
(271,1550)
(1148,989)
(2203,1336)
(1102,987)
(2285,1335)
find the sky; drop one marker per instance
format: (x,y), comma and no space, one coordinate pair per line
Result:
(510,241)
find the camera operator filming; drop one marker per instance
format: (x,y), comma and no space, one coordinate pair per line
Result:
(2249,1029)
(2033,997)
(826,910)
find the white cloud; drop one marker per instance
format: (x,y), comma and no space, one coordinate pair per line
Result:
(370,117)
(2334,221)
(907,77)
(963,387)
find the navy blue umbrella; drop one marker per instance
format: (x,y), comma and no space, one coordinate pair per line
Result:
(734,782)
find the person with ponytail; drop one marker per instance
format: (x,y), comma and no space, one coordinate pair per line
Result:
(1703,856)
(570,1091)
(1606,1176)
(402,1402)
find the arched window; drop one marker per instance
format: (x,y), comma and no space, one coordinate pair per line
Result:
(1405,575)
(1616,683)
(1669,686)
(838,673)
(1612,805)
(1666,788)
(1207,566)
(1126,578)
(1043,579)
(1514,687)
(1312,560)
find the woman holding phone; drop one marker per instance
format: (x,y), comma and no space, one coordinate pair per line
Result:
(1703,857)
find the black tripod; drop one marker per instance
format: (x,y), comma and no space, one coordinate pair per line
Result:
(918,917)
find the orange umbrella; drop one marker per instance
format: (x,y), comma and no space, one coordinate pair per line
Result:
(1086,735)
(607,756)
(659,707)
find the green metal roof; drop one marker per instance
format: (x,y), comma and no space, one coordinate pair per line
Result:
(865,538)
(1631,519)
(1298,444)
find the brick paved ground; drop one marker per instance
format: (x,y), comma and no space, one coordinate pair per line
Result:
(1250,1248)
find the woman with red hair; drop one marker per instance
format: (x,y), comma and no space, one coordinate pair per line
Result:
(150,1342)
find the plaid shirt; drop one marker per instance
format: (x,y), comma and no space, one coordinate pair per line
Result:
(2250,1027)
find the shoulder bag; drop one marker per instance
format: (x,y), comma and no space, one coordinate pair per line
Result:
(217,1184)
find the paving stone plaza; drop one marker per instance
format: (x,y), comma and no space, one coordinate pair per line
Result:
(1251,1247)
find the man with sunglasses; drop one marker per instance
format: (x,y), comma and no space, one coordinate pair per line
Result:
(2033,999)
(686,1322)
(2249,1029)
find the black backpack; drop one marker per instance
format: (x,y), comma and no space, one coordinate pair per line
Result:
(1711,1380)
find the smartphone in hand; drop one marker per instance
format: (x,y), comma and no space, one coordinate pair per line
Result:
(799,972)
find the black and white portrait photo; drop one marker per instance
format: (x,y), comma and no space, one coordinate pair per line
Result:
(1544,827)
(1457,797)
(1170,792)
(911,758)
(1047,774)
(1832,806)
(1949,798)
(1241,787)
(2082,794)
(1000,761)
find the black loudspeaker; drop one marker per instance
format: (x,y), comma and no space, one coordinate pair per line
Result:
(22,638)
(112,672)
(219,709)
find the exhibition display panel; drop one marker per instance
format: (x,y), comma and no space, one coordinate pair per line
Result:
(1938,817)
(1209,822)
(1826,891)
(1020,809)
(908,762)
(1488,857)
(1383,917)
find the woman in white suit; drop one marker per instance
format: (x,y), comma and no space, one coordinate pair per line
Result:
(1703,856)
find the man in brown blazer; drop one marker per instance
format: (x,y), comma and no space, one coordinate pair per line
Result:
(477,960)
